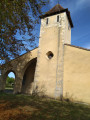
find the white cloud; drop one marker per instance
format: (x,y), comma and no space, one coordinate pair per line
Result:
(79,2)
(82,2)
(75,5)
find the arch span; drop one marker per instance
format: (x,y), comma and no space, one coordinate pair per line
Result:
(18,66)
(28,77)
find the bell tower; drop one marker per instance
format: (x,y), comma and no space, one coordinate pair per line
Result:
(55,31)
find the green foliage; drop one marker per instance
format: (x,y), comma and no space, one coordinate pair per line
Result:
(9,82)
(18,16)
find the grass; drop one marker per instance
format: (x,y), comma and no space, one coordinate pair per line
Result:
(9,86)
(24,107)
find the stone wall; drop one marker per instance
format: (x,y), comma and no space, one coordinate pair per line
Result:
(18,66)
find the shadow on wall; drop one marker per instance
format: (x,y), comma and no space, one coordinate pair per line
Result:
(28,78)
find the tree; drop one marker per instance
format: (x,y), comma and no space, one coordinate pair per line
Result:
(10,81)
(18,16)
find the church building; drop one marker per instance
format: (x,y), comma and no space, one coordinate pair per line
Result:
(56,68)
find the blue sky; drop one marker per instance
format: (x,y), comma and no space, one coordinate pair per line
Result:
(11,74)
(80,14)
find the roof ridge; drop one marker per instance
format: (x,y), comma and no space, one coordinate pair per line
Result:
(77,47)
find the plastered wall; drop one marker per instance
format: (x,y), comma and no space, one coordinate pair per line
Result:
(52,38)
(76,83)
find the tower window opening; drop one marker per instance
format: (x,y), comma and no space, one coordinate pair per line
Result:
(58,18)
(47,21)
(50,54)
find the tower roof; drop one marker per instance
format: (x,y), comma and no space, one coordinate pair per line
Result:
(56,10)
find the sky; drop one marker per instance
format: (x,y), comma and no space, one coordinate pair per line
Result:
(11,74)
(80,14)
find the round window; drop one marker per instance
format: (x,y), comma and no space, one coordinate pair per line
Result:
(50,54)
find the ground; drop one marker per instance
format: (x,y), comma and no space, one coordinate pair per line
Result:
(24,107)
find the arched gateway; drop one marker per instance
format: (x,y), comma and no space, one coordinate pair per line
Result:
(21,67)
(28,77)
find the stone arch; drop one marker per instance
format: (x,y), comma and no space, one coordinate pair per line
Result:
(4,77)
(28,76)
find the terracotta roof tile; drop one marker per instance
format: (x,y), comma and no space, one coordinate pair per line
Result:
(56,8)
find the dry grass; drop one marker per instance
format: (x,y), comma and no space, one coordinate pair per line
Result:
(22,107)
